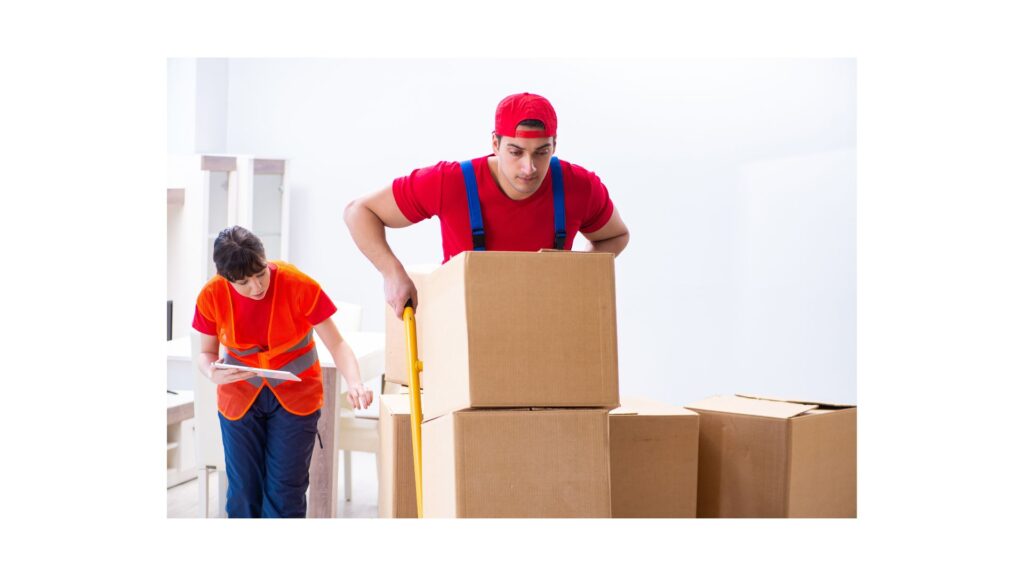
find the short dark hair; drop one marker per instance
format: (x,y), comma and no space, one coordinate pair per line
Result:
(238,254)
(537,124)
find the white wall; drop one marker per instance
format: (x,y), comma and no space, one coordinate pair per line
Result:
(211,104)
(178,287)
(196,105)
(196,122)
(181,105)
(796,273)
(181,136)
(693,153)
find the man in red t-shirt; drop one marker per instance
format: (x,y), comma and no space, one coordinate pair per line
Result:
(512,195)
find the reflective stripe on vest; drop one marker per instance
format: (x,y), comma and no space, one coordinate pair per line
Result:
(243,353)
(296,366)
(476,218)
(256,349)
(255,381)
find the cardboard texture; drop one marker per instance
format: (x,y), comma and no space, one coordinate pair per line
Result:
(761,458)
(653,460)
(396,367)
(518,329)
(518,463)
(387,387)
(396,481)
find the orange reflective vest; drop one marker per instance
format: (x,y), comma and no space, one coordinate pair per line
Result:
(290,341)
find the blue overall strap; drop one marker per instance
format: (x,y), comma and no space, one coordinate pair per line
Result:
(558,190)
(476,218)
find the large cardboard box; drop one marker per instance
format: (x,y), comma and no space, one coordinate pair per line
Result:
(770,458)
(519,329)
(396,367)
(519,463)
(653,460)
(396,481)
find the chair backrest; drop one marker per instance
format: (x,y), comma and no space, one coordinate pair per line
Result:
(209,445)
(348,318)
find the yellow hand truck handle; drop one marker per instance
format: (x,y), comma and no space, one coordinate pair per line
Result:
(415,366)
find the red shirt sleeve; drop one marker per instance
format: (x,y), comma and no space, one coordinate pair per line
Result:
(203,324)
(418,195)
(322,310)
(599,204)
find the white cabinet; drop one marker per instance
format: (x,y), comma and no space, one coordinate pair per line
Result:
(263,203)
(219,198)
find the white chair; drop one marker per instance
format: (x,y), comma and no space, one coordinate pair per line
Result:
(348,318)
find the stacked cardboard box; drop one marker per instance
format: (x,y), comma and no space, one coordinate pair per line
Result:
(653,460)
(514,329)
(769,458)
(396,482)
(517,463)
(520,368)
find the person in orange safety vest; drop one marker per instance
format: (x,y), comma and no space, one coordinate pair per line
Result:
(264,314)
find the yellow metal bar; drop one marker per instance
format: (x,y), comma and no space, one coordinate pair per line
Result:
(415,366)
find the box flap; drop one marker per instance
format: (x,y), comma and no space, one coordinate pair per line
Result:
(821,405)
(396,403)
(648,407)
(751,407)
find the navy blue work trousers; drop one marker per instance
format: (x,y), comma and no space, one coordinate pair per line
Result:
(267,453)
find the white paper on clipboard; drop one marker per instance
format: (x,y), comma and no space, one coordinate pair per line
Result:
(276,374)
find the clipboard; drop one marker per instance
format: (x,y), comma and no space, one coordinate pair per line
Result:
(264,372)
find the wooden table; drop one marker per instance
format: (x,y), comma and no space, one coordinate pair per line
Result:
(181,461)
(180,407)
(323,470)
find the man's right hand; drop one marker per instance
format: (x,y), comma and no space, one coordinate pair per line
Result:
(399,289)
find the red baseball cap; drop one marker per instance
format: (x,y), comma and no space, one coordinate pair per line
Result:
(518,107)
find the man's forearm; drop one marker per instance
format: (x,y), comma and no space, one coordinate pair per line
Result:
(367,231)
(615,245)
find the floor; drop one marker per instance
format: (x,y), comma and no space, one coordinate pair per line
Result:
(183,499)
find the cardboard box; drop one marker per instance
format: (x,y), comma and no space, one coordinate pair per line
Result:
(396,367)
(653,460)
(396,481)
(519,329)
(770,458)
(519,463)
(388,387)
